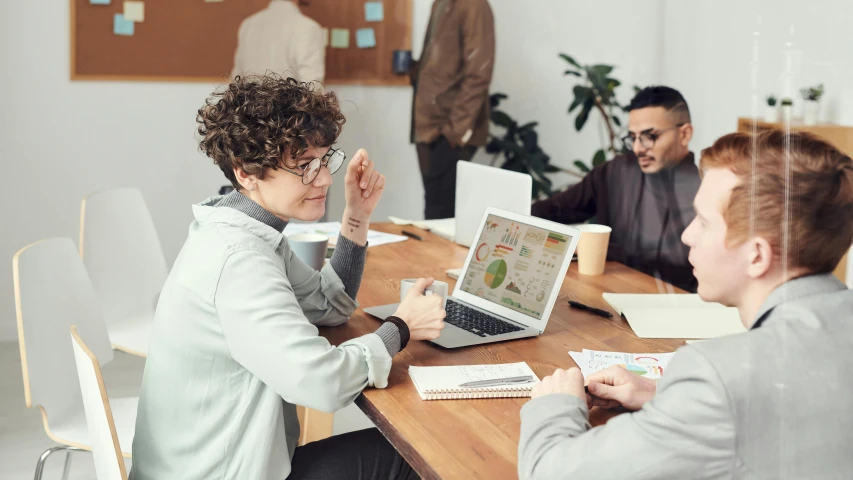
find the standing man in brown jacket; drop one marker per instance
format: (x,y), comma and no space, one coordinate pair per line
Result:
(450,116)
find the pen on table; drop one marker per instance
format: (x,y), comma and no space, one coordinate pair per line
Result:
(593,310)
(496,381)
(412,235)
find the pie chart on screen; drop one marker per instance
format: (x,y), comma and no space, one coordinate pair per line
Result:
(495,274)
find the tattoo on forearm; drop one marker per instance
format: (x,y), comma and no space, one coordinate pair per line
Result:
(353,224)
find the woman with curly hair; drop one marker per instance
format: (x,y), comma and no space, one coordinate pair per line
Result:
(235,345)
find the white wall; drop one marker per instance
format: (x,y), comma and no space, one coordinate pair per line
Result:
(531,34)
(726,56)
(60,140)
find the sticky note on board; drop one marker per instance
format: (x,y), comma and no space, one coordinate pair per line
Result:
(134,11)
(365,38)
(99,2)
(121,25)
(374,12)
(340,38)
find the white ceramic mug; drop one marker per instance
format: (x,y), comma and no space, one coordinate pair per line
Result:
(310,248)
(437,288)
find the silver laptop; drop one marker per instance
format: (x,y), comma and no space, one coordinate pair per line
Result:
(480,186)
(509,283)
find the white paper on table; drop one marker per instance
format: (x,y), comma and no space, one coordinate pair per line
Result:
(675,316)
(333,230)
(443,227)
(649,365)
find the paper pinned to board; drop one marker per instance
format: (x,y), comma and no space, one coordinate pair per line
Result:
(122,26)
(675,316)
(340,38)
(365,38)
(134,11)
(374,12)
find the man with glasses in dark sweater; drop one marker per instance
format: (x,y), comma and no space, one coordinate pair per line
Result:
(645,196)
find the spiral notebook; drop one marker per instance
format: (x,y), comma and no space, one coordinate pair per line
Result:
(443,383)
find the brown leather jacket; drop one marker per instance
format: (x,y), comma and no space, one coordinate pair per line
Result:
(453,74)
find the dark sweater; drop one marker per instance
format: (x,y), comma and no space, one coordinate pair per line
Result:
(647,212)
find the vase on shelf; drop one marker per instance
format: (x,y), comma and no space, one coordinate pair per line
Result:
(786,113)
(811,112)
(771,114)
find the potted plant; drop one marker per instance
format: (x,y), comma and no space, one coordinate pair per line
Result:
(787,108)
(597,92)
(811,106)
(519,147)
(771,113)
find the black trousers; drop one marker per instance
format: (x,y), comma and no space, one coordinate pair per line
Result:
(438,169)
(361,455)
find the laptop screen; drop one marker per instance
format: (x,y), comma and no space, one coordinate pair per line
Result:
(515,265)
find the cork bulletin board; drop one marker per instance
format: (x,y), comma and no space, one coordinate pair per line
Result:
(195,40)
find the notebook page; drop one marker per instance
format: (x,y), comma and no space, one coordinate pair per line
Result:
(450,377)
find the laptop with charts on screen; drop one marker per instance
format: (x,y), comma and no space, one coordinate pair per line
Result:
(509,283)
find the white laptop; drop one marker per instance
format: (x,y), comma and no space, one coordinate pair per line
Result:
(480,186)
(509,283)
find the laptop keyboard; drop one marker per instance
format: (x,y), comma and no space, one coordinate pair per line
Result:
(476,321)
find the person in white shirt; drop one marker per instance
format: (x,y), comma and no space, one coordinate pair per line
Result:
(281,39)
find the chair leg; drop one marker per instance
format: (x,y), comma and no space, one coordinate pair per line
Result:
(43,458)
(51,450)
(67,465)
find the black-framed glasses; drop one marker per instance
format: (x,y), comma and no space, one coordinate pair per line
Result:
(333,159)
(647,137)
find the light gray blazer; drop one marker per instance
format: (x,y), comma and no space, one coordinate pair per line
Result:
(774,402)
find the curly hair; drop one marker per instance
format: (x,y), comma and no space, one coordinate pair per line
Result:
(256,119)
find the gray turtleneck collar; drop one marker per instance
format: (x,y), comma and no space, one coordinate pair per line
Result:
(242,203)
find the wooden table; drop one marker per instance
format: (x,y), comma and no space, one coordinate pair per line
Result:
(466,439)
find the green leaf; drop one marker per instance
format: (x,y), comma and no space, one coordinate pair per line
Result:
(570,60)
(528,126)
(599,158)
(613,81)
(583,116)
(637,89)
(530,139)
(617,121)
(572,72)
(501,119)
(552,169)
(493,147)
(602,70)
(495,99)
(581,166)
(582,93)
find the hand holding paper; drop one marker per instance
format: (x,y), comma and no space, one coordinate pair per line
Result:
(564,382)
(616,386)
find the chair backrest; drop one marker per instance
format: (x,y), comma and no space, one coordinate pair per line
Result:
(121,251)
(53,292)
(109,464)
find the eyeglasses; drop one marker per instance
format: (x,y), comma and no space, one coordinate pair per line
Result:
(333,159)
(647,137)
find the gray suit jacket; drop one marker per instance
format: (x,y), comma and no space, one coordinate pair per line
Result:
(774,402)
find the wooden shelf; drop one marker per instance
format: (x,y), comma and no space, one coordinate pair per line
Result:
(840,136)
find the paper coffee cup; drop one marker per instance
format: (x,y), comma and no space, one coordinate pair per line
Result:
(592,248)
(437,288)
(310,248)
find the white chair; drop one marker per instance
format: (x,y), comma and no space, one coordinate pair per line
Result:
(109,464)
(53,292)
(122,253)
